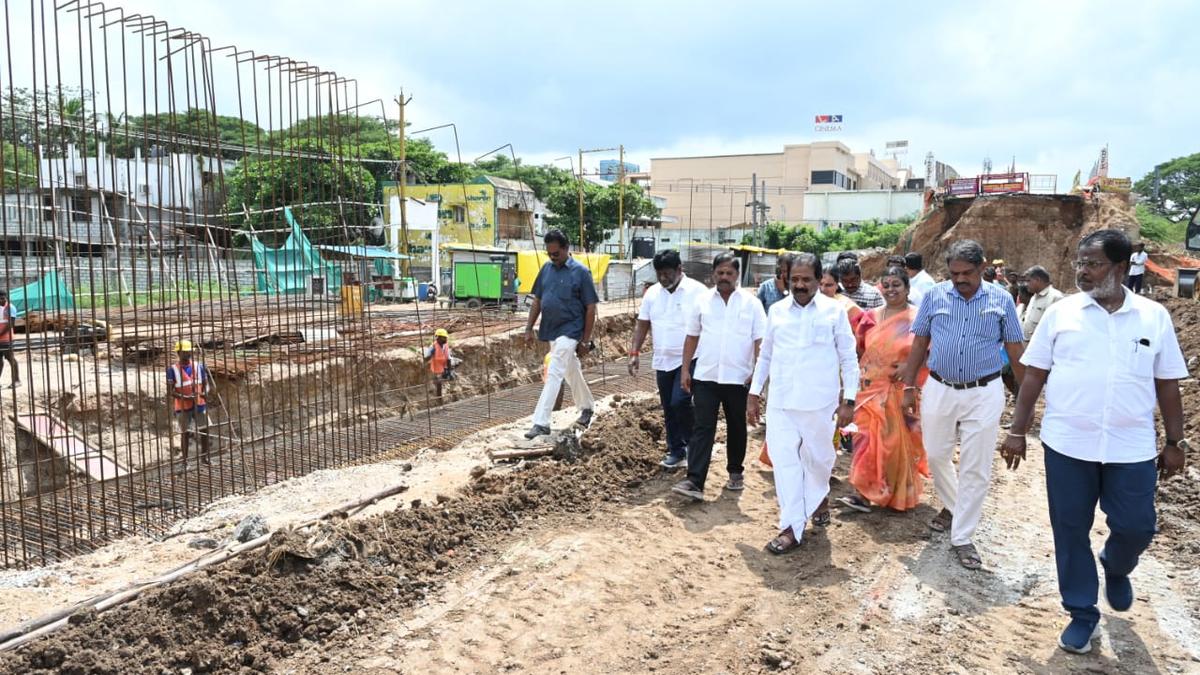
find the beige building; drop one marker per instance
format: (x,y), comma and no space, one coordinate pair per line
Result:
(706,195)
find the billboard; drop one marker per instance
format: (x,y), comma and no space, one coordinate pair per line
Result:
(827,122)
(962,187)
(1116,184)
(1003,183)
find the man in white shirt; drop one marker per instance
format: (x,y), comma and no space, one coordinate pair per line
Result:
(1042,295)
(919,281)
(1137,268)
(1106,356)
(663,315)
(724,329)
(809,357)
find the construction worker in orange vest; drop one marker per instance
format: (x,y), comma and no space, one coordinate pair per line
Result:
(441,363)
(188,386)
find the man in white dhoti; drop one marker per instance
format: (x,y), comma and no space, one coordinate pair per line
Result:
(808,344)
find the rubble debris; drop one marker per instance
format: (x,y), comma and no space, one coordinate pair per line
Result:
(251,527)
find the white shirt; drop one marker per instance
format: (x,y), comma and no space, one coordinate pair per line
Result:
(1137,263)
(802,352)
(918,286)
(727,334)
(667,313)
(1100,396)
(1033,312)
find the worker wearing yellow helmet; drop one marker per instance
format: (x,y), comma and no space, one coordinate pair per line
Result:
(188,387)
(439,358)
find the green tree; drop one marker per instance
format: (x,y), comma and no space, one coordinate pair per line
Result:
(20,166)
(269,184)
(867,234)
(540,178)
(600,209)
(53,118)
(195,131)
(1179,186)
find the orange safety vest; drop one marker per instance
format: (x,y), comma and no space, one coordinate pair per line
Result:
(441,358)
(187,385)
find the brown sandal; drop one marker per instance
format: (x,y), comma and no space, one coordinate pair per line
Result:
(942,521)
(785,542)
(968,556)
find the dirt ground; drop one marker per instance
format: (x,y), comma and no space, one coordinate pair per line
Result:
(588,563)
(593,566)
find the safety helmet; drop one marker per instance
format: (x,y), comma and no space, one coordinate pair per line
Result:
(183,346)
(441,332)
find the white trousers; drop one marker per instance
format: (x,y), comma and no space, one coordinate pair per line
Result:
(800,443)
(564,364)
(976,413)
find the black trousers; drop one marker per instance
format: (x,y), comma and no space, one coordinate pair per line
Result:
(707,399)
(1134,282)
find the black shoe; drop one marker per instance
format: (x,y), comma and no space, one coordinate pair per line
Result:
(537,430)
(585,418)
(671,461)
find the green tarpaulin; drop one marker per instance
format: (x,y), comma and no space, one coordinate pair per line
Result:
(48,294)
(290,268)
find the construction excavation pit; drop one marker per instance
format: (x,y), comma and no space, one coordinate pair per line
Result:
(98,455)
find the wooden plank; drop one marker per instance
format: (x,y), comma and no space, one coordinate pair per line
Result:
(522,453)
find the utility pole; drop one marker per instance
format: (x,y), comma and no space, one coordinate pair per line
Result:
(621,200)
(754,205)
(762,204)
(582,240)
(405,263)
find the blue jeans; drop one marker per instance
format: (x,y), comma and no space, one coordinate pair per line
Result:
(677,410)
(1125,493)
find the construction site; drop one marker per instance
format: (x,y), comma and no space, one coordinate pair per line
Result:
(345,512)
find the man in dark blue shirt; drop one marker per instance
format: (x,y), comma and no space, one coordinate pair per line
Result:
(565,298)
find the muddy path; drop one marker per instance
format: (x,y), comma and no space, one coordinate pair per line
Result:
(653,584)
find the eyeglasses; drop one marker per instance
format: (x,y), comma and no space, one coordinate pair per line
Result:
(1088,264)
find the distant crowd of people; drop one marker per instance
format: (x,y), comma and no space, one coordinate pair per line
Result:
(901,373)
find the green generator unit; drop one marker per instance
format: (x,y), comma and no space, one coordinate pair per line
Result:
(477,283)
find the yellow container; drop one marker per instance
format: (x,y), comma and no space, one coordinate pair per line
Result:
(352,300)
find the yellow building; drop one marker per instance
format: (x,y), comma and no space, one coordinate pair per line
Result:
(465,216)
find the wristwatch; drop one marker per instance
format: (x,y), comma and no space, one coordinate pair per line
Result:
(849,402)
(1182,444)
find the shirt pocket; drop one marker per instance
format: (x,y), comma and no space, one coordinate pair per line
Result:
(989,324)
(1139,361)
(820,332)
(744,322)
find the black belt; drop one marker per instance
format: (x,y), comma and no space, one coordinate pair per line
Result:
(966,385)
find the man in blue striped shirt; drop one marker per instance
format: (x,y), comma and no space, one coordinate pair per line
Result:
(961,325)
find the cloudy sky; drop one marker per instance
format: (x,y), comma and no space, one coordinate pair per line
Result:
(1047,82)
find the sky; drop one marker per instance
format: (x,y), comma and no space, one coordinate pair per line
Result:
(1046,83)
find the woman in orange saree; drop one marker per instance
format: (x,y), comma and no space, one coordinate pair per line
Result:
(889,465)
